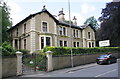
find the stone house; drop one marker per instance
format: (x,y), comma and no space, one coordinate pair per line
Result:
(43,29)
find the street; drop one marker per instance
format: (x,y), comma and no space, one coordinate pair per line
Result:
(93,71)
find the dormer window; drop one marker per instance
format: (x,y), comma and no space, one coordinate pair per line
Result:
(44,26)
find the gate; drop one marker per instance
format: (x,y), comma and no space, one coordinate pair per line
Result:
(33,62)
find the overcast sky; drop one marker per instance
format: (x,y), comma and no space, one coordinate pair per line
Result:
(82,9)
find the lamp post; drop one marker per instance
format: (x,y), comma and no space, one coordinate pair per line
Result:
(70,33)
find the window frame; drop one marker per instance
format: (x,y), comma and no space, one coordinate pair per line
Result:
(47,27)
(60,30)
(25,27)
(89,35)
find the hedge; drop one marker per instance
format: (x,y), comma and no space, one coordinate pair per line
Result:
(66,50)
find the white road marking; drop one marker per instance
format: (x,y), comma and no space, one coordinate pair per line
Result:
(105,73)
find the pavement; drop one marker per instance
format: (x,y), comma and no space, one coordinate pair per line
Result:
(66,70)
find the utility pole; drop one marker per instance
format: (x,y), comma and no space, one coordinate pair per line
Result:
(70,33)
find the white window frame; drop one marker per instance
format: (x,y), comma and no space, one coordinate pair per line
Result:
(42,26)
(44,40)
(63,31)
(60,30)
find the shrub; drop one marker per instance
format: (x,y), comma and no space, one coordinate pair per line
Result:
(7,49)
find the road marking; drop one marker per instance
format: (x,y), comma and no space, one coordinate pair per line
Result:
(106,73)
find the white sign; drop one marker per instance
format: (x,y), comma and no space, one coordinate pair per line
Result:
(104,43)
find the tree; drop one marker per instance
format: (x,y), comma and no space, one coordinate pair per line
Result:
(6,20)
(93,22)
(110,24)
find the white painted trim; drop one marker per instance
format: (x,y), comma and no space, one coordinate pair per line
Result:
(44,40)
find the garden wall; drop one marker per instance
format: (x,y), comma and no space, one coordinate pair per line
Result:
(65,61)
(9,66)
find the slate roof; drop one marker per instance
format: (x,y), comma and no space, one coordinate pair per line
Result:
(57,21)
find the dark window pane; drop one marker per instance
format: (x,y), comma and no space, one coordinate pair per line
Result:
(61,43)
(74,44)
(64,31)
(65,43)
(60,30)
(74,33)
(24,43)
(48,41)
(92,44)
(42,42)
(89,44)
(44,25)
(17,32)
(24,28)
(88,35)
(78,45)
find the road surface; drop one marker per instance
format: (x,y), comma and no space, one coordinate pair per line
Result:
(94,71)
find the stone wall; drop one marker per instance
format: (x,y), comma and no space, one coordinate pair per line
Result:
(65,61)
(9,66)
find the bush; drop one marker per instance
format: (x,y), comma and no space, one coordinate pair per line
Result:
(24,51)
(7,49)
(67,50)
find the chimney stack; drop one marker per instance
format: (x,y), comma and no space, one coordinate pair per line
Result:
(74,20)
(61,15)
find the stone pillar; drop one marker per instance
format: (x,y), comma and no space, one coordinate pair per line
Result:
(49,61)
(19,63)
(32,35)
(84,38)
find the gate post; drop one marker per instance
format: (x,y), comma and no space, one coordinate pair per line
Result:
(19,62)
(49,61)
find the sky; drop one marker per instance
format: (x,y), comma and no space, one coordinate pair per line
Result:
(82,9)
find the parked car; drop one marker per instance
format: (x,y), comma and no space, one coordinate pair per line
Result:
(106,59)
